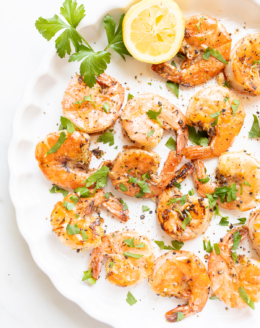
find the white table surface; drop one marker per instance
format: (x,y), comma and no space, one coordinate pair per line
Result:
(27,297)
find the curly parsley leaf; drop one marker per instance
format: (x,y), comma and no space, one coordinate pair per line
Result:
(187,220)
(107,137)
(180,316)
(255,129)
(115,37)
(129,242)
(214,53)
(94,63)
(177,245)
(145,208)
(56,189)
(235,104)
(50,26)
(125,206)
(236,240)
(162,245)
(123,187)
(215,115)
(83,192)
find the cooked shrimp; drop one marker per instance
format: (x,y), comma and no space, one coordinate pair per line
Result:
(129,258)
(254,230)
(226,276)
(212,101)
(135,173)
(171,215)
(137,124)
(90,115)
(82,215)
(201,32)
(183,275)
(237,169)
(243,68)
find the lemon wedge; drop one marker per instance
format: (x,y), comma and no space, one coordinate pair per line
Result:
(153,30)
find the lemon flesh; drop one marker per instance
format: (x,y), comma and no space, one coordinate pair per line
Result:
(153,30)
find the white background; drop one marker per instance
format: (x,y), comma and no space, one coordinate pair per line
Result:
(27,296)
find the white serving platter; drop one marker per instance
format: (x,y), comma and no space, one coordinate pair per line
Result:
(39,114)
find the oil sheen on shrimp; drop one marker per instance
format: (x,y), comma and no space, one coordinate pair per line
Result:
(129,258)
(254,230)
(171,215)
(243,69)
(183,275)
(223,127)
(226,276)
(201,32)
(135,170)
(137,124)
(82,215)
(233,167)
(90,115)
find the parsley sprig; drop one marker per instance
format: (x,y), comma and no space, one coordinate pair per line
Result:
(92,63)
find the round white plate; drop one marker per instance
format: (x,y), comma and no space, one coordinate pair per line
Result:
(39,114)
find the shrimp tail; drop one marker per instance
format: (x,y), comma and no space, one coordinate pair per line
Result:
(167,71)
(199,173)
(182,139)
(169,169)
(197,152)
(95,264)
(172,315)
(114,206)
(186,170)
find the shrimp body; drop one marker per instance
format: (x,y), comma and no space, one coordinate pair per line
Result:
(201,32)
(142,165)
(243,68)
(254,230)
(137,124)
(68,166)
(226,276)
(212,101)
(90,116)
(171,216)
(183,275)
(126,265)
(84,217)
(233,167)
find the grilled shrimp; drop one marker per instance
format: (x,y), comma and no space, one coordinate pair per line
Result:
(171,215)
(89,114)
(183,275)
(237,168)
(226,276)
(82,215)
(254,230)
(137,124)
(68,166)
(201,32)
(135,173)
(211,110)
(243,68)
(129,258)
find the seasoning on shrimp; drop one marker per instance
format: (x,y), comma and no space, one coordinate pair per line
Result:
(173,208)
(135,172)
(74,222)
(183,275)
(230,275)
(203,45)
(147,112)
(243,68)
(235,169)
(131,255)
(219,112)
(93,109)
(67,167)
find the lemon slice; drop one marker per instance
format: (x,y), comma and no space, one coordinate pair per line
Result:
(153,30)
